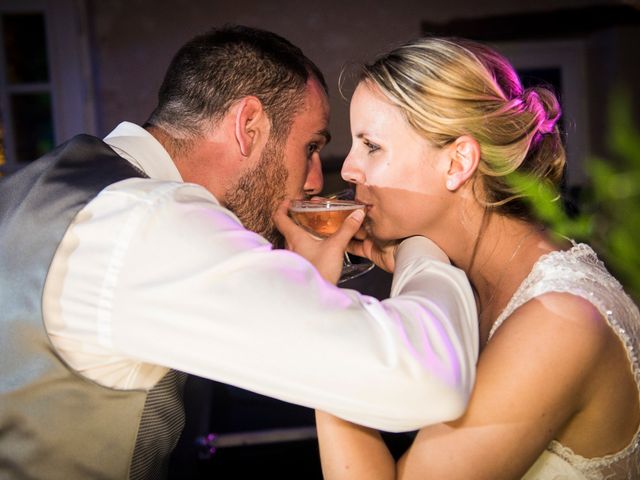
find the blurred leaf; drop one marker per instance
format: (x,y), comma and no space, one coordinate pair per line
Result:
(624,139)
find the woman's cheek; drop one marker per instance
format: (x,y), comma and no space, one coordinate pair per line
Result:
(387,219)
(389,180)
(380,174)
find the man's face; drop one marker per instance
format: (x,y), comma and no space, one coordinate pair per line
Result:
(308,136)
(289,169)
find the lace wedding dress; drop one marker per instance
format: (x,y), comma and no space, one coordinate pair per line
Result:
(578,271)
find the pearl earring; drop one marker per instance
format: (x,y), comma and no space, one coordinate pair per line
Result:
(450,184)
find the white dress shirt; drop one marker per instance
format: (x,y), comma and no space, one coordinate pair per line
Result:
(154,274)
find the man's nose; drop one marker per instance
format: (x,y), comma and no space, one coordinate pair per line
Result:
(314,182)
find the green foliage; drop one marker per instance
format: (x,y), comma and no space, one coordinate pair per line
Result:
(609,218)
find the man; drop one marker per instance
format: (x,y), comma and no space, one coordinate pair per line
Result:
(128,261)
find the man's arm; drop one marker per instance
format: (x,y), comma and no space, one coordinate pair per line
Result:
(183,285)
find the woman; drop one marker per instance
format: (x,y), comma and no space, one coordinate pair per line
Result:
(437,125)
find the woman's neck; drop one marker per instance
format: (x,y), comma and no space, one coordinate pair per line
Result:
(497,253)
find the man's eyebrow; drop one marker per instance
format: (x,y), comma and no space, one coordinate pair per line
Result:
(326,134)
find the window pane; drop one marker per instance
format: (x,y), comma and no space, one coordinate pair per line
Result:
(25,48)
(32,124)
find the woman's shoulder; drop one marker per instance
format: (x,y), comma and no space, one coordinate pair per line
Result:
(561,317)
(574,279)
(570,299)
(572,323)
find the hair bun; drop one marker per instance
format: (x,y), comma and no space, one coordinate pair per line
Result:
(544,105)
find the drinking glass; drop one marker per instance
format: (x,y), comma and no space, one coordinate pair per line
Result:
(322,217)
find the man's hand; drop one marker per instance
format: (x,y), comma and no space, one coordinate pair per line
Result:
(326,254)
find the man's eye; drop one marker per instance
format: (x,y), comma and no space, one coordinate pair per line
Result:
(311,149)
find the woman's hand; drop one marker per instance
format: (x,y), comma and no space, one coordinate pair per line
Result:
(326,254)
(382,254)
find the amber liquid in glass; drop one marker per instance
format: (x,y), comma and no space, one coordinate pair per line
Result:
(322,220)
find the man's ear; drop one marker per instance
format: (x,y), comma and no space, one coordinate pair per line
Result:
(464,157)
(250,123)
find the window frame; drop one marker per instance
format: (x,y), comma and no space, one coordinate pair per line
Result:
(70,81)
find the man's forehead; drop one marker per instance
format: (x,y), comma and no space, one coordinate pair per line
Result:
(316,108)
(315,94)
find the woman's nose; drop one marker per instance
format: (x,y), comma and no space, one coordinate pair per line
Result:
(351,172)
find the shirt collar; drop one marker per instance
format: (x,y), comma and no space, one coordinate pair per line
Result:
(139,147)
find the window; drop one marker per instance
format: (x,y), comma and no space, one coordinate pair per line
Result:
(45,89)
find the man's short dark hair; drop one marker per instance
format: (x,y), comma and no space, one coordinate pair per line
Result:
(213,70)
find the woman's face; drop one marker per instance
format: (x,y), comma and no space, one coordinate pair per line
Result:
(399,174)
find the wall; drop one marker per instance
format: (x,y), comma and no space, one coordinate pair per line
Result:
(134,41)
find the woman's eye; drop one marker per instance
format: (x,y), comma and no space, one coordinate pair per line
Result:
(372,147)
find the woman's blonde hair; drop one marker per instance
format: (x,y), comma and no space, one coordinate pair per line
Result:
(447,88)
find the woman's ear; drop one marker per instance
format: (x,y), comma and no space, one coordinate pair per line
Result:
(249,124)
(464,157)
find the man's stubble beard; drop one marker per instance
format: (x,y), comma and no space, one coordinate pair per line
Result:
(258,193)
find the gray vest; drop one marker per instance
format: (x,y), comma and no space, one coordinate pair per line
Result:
(54,423)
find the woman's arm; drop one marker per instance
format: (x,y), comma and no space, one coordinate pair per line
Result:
(531,381)
(350,451)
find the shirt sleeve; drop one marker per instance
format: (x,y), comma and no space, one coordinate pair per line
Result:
(183,285)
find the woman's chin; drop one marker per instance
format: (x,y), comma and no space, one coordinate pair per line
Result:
(381,233)
(382,236)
